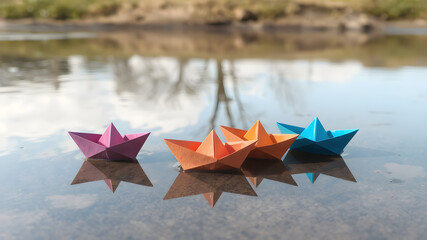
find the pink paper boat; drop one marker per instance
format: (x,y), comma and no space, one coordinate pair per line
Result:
(110,145)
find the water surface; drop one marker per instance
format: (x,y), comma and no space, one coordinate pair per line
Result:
(182,85)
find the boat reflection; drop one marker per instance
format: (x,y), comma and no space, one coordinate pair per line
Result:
(112,172)
(273,169)
(210,184)
(313,165)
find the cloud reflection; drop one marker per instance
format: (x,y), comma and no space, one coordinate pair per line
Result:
(75,202)
(398,173)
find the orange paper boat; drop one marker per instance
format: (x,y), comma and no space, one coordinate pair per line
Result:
(211,154)
(268,146)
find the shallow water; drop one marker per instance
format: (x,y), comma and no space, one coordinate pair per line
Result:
(180,87)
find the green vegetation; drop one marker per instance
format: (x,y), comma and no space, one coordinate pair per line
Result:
(396,9)
(58,9)
(265,9)
(386,9)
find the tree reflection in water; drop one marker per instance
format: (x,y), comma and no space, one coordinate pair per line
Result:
(152,81)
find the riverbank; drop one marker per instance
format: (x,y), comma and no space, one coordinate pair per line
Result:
(410,27)
(248,15)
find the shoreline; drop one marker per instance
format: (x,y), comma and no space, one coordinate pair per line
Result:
(223,16)
(284,25)
(380,27)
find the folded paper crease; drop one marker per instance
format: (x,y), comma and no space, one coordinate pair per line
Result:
(268,146)
(211,154)
(315,139)
(110,145)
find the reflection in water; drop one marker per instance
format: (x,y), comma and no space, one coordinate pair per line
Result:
(18,70)
(168,87)
(161,93)
(112,172)
(173,86)
(274,169)
(222,97)
(210,184)
(155,78)
(213,184)
(314,165)
(152,79)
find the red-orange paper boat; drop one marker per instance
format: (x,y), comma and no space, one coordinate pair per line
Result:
(268,146)
(211,154)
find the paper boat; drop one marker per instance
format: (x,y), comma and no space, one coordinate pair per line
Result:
(112,172)
(268,146)
(272,169)
(314,164)
(110,145)
(315,139)
(211,154)
(210,184)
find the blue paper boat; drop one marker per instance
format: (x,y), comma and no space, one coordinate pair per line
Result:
(315,139)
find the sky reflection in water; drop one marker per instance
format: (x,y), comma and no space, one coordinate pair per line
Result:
(45,94)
